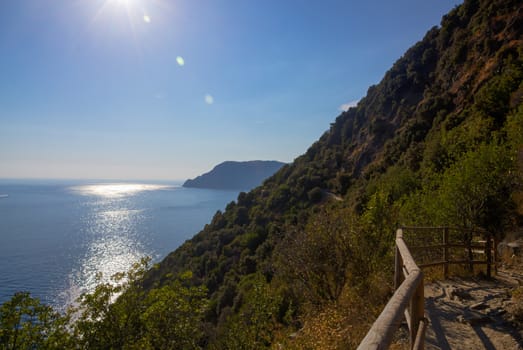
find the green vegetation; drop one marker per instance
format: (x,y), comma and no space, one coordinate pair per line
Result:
(27,324)
(169,317)
(305,259)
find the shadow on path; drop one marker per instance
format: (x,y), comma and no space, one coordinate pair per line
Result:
(440,341)
(472,322)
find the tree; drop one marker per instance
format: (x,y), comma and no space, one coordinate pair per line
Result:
(109,317)
(173,316)
(168,317)
(25,323)
(475,191)
(254,325)
(315,260)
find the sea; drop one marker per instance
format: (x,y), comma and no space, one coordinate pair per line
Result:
(57,236)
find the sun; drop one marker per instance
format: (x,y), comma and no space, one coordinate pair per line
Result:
(131,6)
(124,2)
(128,4)
(136,12)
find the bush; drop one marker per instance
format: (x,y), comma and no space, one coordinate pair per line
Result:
(315,195)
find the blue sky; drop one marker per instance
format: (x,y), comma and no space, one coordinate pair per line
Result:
(166,89)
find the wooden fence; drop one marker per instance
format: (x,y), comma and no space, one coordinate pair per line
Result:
(408,299)
(445,246)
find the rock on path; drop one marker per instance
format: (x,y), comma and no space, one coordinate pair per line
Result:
(471,314)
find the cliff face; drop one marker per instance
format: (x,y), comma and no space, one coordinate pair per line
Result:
(236,175)
(440,122)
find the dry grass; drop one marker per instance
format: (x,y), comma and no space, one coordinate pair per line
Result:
(341,324)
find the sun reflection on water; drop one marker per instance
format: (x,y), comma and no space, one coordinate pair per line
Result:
(111,239)
(115,190)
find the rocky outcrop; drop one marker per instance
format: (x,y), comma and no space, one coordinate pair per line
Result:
(236,175)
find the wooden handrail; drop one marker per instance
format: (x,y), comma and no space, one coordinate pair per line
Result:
(408,299)
(408,294)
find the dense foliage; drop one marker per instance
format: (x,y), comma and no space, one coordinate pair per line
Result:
(169,317)
(302,261)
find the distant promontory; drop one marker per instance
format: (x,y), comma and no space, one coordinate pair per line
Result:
(232,175)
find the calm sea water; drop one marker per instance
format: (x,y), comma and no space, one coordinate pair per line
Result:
(55,236)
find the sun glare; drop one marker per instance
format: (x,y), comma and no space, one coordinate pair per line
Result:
(123,2)
(128,5)
(137,11)
(116,190)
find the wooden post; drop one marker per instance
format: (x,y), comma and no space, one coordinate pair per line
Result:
(496,254)
(420,337)
(417,313)
(488,251)
(446,252)
(469,249)
(398,269)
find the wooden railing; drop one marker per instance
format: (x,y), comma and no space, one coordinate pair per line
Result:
(408,299)
(475,247)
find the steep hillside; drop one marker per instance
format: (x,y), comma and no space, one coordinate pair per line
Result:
(448,112)
(304,261)
(236,175)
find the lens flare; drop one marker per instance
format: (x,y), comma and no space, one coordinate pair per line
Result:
(180,61)
(209,99)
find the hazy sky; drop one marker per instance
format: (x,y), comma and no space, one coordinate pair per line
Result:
(166,89)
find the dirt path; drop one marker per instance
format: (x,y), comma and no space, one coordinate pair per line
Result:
(471,314)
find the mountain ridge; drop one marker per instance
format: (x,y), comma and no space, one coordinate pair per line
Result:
(445,101)
(238,175)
